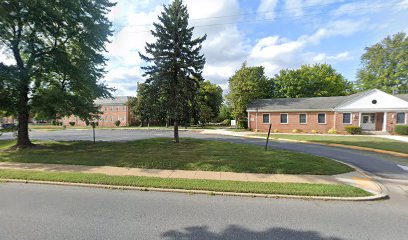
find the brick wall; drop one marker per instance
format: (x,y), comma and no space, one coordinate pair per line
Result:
(293,122)
(109,115)
(340,126)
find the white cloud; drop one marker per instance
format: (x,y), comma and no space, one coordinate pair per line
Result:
(323,57)
(267,9)
(6,58)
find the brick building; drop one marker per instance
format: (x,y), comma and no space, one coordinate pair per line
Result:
(113,109)
(372,110)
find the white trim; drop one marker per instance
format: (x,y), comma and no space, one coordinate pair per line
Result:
(325,118)
(384,128)
(287,118)
(249,121)
(306,119)
(405,118)
(292,110)
(351,118)
(269,118)
(256,121)
(359,118)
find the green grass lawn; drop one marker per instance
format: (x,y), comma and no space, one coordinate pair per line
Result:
(189,154)
(361,141)
(303,189)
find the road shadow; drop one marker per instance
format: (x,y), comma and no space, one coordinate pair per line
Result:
(236,232)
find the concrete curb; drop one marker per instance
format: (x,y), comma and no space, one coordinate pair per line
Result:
(276,196)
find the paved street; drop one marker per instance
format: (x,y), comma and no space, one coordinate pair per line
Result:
(378,164)
(45,212)
(29,211)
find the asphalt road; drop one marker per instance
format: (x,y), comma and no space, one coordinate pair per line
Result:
(381,165)
(29,211)
(46,212)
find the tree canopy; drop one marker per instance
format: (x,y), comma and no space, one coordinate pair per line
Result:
(176,63)
(209,101)
(319,80)
(248,83)
(385,65)
(58,51)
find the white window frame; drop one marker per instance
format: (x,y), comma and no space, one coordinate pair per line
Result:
(405,118)
(287,118)
(351,118)
(306,119)
(325,118)
(269,118)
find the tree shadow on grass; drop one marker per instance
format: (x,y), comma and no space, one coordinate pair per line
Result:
(236,232)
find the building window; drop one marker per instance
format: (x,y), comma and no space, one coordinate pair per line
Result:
(111,118)
(321,118)
(400,118)
(265,118)
(106,109)
(302,118)
(111,109)
(124,108)
(117,109)
(346,118)
(284,118)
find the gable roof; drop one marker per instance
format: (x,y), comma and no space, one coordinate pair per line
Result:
(402,96)
(120,100)
(313,103)
(300,104)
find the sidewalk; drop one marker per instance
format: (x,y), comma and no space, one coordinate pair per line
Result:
(353,178)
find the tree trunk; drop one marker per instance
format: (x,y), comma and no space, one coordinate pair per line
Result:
(23,140)
(176,132)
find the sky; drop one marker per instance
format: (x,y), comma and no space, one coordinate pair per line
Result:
(277,34)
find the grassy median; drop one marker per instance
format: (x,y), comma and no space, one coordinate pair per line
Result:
(361,141)
(189,154)
(301,189)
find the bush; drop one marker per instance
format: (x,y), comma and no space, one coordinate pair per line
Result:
(87,122)
(275,130)
(296,130)
(401,129)
(353,130)
(54,122)
(314,131)
(332,131)
(94,124)
(117,123)
(72,123)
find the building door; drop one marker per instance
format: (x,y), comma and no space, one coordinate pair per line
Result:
(368,121)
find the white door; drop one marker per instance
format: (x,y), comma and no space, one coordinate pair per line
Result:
(368,121)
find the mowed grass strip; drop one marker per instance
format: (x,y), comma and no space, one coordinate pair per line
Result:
(300,189)
(189,154)
(361,141)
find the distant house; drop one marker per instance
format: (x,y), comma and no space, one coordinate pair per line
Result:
(372,110)
(113,109)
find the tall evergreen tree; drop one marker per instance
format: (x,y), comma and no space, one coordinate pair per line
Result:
(176,63)
(58,51)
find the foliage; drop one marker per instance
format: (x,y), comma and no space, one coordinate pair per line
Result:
(319,80)
(94,124)
(401,129)
(57,47)
(314,131)
(385,65)
(296,130)
(117,123)
(332,131)
(147,104)
(209,101)
(225,113)
(353,130)
(72,123)
(248,83)
(175,63)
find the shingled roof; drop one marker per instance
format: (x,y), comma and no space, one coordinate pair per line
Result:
(120,100)
(301,104)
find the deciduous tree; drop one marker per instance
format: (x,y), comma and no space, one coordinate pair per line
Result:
(58,50)
(385,65)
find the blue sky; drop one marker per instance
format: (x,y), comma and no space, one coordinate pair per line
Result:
(276,34)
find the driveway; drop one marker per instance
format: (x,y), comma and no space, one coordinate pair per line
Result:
(384,166)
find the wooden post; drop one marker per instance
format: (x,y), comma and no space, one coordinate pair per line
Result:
(93,130)
(267,139)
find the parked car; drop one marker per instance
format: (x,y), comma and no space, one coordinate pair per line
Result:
(8,126)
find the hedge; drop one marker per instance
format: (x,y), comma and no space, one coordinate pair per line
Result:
(401,129)
(354,130)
